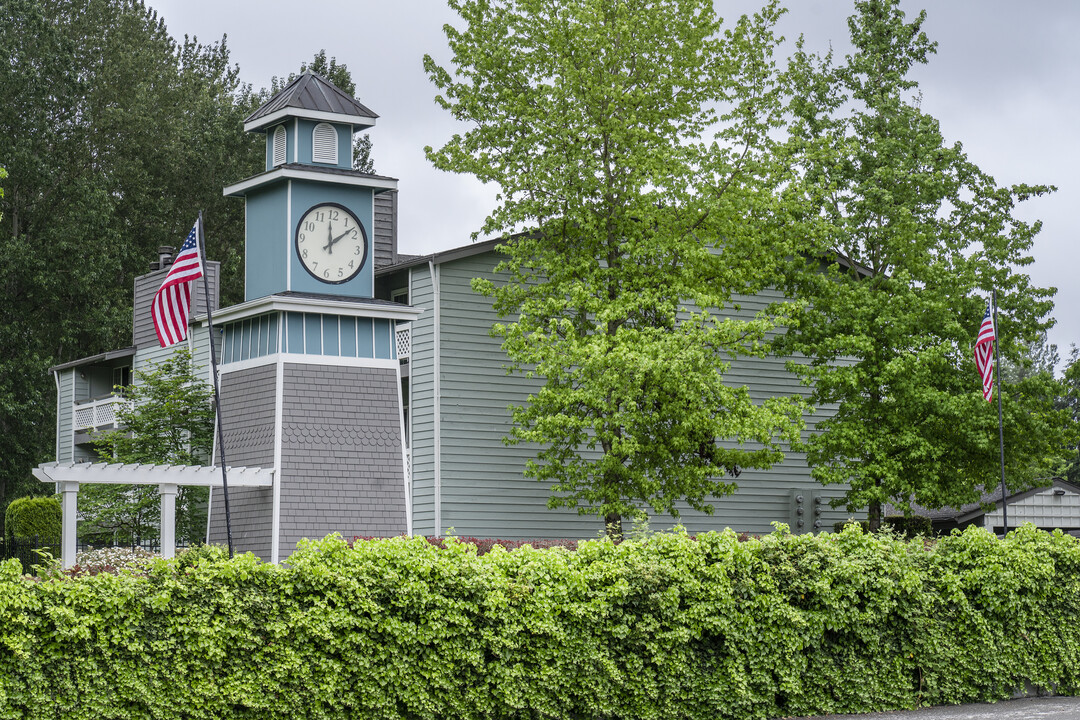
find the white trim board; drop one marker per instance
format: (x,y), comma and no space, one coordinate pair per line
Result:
(314,175)
(144,474)
(326,306)
(299,359)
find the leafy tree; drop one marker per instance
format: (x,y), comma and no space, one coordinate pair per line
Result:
(913,238)
(168,420)
(339,75)
(113,137)
(597,120)
(1069,401)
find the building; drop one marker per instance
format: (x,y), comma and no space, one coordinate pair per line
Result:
(1052,506)
(366,379)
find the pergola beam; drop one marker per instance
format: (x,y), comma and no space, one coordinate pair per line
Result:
(68,477)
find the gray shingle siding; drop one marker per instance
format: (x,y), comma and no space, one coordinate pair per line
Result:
(341,461)
(247,407)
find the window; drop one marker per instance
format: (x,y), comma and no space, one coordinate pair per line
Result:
(324,144)
(279,145)
(121,378)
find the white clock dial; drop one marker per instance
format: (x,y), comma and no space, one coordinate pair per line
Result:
(331,243)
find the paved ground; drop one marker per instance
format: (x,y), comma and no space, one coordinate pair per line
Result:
(1038,708)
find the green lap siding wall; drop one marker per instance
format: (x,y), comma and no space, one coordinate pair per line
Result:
(479,483)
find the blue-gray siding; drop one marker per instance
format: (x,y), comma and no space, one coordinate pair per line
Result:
(422,402)
(483,490)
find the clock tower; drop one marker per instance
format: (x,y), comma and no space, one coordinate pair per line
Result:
(310,380)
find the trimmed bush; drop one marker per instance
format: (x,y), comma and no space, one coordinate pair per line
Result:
(663,627)
(28,517)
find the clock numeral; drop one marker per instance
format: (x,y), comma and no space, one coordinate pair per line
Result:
(354,234)
(304,253)
(356,250)
(326,273)
(352,264)
(302,237)
(308,225)
(334,215)
(320,216)
(340,272)
(315,264)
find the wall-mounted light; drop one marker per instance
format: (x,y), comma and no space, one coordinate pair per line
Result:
(1059,491)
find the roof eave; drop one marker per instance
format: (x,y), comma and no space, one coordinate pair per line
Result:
(284,113)
(241,188)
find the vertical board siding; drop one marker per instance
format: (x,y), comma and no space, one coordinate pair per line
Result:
(484,491)
(65,417)
(341,462)
(247,408)
(422,403)
(384,233)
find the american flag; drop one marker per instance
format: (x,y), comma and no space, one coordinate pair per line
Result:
(173,299)
(984,354)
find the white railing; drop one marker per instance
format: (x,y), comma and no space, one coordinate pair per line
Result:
(97,413)
(403,342)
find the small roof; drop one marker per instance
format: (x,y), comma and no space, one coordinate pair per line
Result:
(989,497)
(310,95)
(94,359)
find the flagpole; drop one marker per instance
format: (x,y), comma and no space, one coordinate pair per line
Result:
(217,394)
(1001,430)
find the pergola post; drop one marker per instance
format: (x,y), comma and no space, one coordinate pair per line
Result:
(69,507)
(167,491)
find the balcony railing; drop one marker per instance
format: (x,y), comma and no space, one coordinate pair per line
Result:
(403,342)
(100,413)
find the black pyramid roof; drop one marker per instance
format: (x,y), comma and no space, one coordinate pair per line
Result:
(310,92)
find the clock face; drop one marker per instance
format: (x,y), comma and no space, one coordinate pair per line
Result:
(331,243)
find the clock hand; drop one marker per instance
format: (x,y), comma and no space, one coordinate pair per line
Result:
(341,236)
(329,246)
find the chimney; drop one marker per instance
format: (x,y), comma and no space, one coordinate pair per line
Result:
(165,257)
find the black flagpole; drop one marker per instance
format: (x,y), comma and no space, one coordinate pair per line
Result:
(1001,431)
(217,395)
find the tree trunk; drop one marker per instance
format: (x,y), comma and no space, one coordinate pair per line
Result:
(613,527)
(875,515)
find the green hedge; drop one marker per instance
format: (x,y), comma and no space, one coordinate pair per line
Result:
(665,627)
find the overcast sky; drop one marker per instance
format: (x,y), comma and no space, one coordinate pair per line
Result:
(1005,82)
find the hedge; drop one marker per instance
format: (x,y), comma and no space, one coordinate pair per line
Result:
(663,627)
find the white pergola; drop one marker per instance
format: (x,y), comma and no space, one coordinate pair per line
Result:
(168,478)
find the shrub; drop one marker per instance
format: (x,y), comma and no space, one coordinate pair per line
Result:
(29,517)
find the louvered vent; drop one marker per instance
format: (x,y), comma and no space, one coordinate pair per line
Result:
(324,144)
(279,146)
